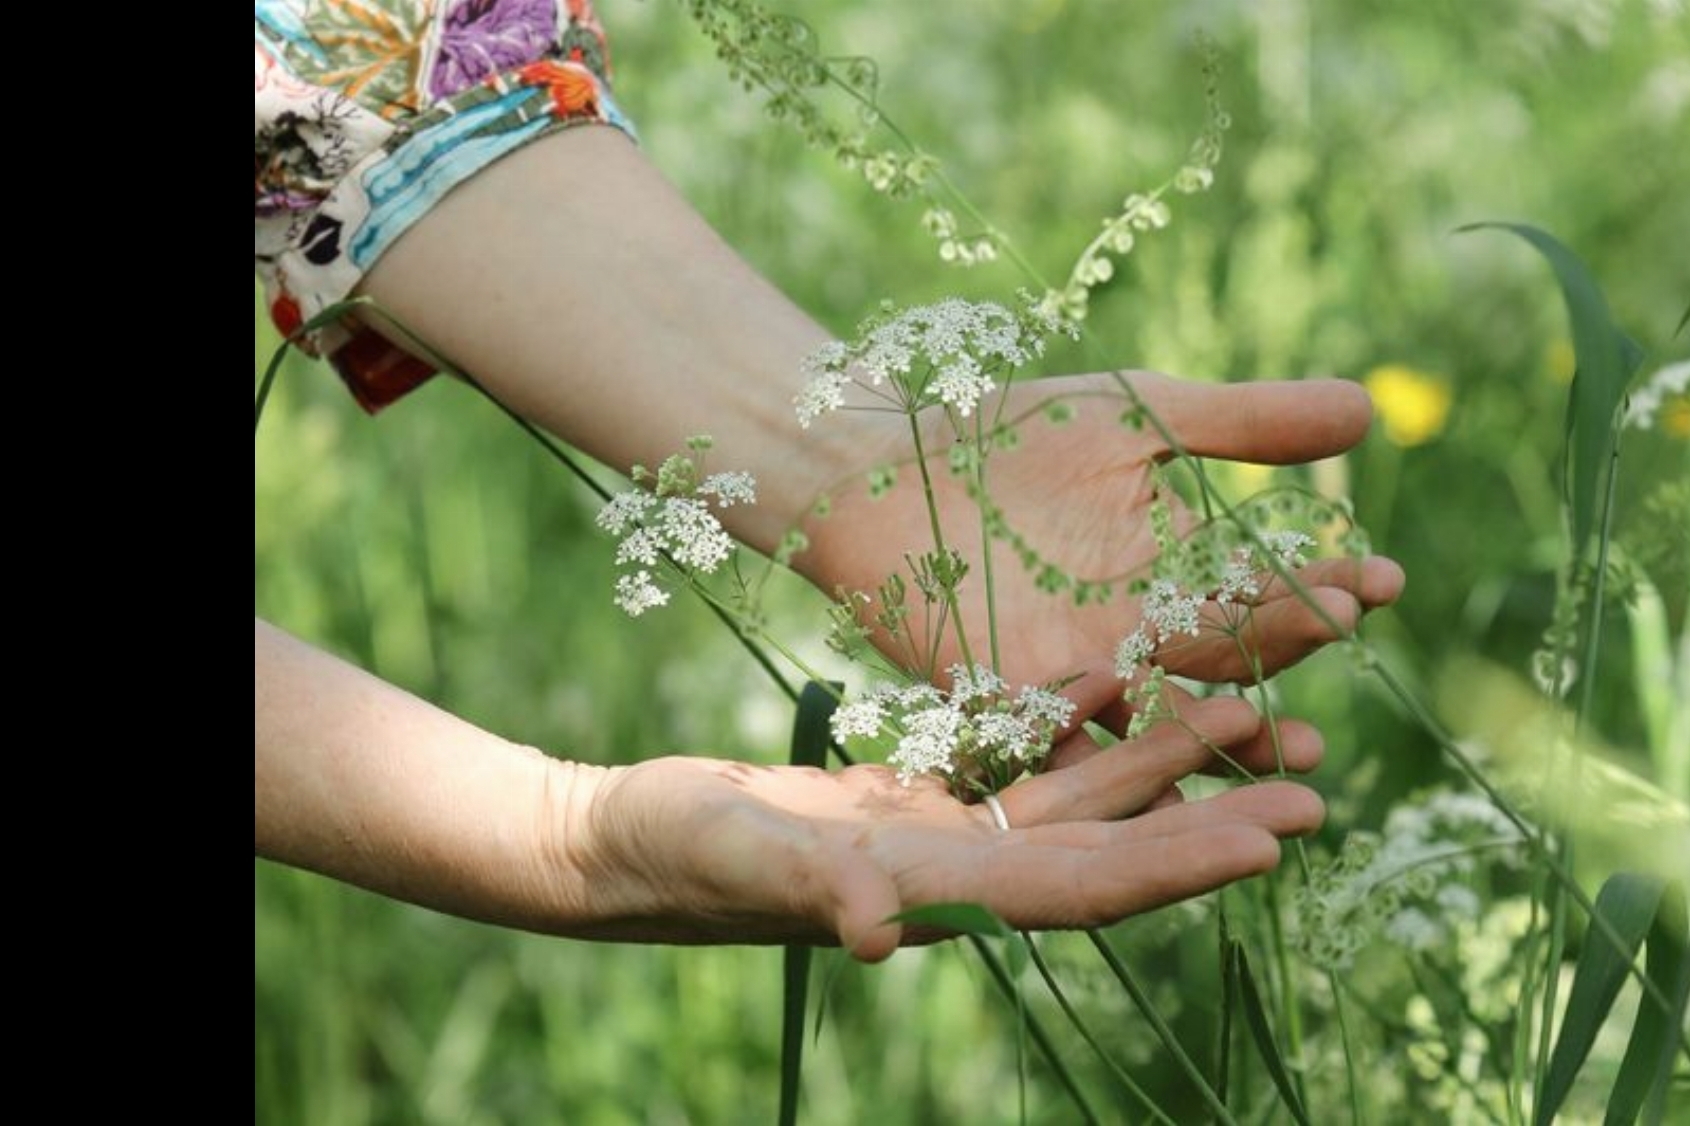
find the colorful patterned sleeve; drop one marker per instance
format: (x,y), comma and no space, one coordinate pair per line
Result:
(367,112)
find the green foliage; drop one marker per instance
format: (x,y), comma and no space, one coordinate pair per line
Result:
(439,548)
(1629,906)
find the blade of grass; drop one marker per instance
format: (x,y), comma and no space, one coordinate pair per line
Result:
(1229,948)
(810,737)
(1647,1065)
(1604,360)
(1141,1000)
(1261,1031)
(1090,1037)
(1629,902)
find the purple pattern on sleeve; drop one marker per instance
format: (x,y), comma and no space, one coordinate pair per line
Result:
(479,38)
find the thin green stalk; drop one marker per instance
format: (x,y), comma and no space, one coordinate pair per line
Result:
(269,380)
(1041,1038)
(986,568)
(1160,1027)
(939,545)
(1289,1010)
(957,196)
(1089,1036)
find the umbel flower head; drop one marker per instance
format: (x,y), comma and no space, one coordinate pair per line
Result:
(666,519)
(1221,567)
(948,354)
(974,733)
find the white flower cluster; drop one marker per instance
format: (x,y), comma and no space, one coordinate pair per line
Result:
(1170,611)
(948,353)
(680,529)
(1407,884)
(976,725)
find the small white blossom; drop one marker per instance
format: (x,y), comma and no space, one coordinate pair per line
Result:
(1041,705)
(693,534)
(729,489)
(1135,649)
(970,684)
(951,352)
(641,545)
(1288,547)
(861,717)
(671,521)
(636,593)
(1005,737)
(1239,581)
(624,511)
(973,730)
(961,384)
(929,743)
(1171,612)
(824,390)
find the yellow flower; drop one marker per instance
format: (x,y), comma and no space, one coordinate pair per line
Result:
(1675,416)
(1559,362)
(1412,404)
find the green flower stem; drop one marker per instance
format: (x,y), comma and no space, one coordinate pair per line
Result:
(956,195)
(939,538)
(1006,985)
(987,571)
(1291,1010)
(1160,1027)
(1089,1036)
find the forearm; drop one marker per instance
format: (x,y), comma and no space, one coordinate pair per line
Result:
(361,781)
(580,288)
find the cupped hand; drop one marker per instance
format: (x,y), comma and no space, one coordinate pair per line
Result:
(703,850)
(1080,493)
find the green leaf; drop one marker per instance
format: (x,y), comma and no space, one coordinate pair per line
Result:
(1628,903)
(963,918)
(810,739)
(1604,359)
(1255,1015)
(810,733)
(795,972)
(1648,1061)
(1682,321)
(1230,950)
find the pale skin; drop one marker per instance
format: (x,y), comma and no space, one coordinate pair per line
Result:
(606,311)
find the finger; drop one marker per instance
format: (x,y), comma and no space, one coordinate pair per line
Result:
(1284,809)
(1272,422)
(1298,748)
(864,900)
(1375,581)
(1126,778)
(1071,751)
(1043,887)
(1278,634)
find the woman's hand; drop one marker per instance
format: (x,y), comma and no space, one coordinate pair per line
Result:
(701,850)
(1080,493)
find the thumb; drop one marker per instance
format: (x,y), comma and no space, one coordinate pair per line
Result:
(864,901)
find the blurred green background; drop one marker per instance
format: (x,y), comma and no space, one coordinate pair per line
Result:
(439,548)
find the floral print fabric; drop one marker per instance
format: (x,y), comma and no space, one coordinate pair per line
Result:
(367,112)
